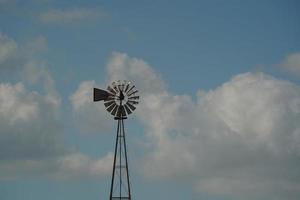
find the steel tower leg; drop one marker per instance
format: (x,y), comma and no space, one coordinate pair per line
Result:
(120,184)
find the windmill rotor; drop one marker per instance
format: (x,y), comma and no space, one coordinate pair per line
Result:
(120,98)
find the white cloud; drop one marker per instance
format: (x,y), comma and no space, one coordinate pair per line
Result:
(59,16)
(90,116)
(242,133)
(22,61)
(81,166)
(241,139)
(30,127)
(29,122)
(8,48)
(64,167)
(122,67)
(18,60)
(31,134)
(292,63)
(31,142)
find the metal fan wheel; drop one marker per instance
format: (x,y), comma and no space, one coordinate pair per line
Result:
(122,100)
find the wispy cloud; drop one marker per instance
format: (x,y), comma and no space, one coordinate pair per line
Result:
(71,15)
(8,48)
(292,63)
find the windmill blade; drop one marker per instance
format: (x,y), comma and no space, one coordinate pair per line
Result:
(121,111)
(115,110)
(100,95)
(119,85)
(111,90)
(116,88)
(135,97)
(127,109)
(132,107)
(127,86)
(133,102)
(109,103)
(110,98)
(132,93)
(130,89)
(122,87)
(109,109)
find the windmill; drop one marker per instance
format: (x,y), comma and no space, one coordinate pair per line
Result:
(120,99)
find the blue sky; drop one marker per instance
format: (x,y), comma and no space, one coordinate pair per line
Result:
(220,106)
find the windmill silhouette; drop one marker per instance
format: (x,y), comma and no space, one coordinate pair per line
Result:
(120,99)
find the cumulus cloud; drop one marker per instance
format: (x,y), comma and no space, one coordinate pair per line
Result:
(90,116)
(122,67)
(241,139)
(292,63)
(244,133)
(71,15)
(78,165)
(31,134)
(7,48)
(64,167)
(23,62)
(29,124)
(8,51)
(19,60)
(31,142)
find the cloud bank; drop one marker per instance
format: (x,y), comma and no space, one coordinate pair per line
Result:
(31,135)
(241,140)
